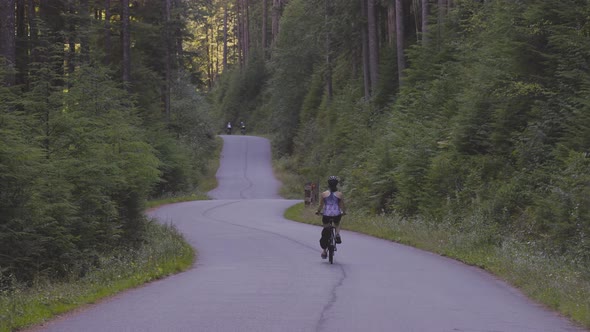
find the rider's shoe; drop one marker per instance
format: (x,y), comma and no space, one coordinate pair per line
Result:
(338,239)
(324,255)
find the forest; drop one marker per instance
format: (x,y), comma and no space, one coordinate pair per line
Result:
(460,113)
(100,112)
(466,114)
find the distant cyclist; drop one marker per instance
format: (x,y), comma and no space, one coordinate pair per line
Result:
(243,127)
(332,209)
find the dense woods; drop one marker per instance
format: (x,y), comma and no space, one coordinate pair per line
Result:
(99,112)
(466,114)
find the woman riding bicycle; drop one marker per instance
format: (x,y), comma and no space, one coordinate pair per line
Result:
(332,209)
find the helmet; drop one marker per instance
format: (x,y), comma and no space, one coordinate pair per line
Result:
(333,180)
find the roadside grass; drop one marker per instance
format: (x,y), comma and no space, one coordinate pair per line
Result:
(176,199)
(554,282)
(165,252)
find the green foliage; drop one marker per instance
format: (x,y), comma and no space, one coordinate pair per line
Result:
(185,148)
(82,187)
(165,252)
(482,154)
(388,79)
(77,166)
(239,92)
(314,96)
(561,209)
(491,122)
(80,153)
(296,53)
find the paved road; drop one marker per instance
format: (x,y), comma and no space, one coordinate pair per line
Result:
(259,272)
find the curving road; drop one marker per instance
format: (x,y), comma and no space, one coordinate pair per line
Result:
(259,272)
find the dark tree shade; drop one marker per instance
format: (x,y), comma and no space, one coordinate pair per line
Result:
(425,13)
(373,40)
(107,31)
(400,40)
(365,50)
(126,41)
(22,57)
(7,35)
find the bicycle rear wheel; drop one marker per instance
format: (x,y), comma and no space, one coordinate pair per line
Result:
(332,246)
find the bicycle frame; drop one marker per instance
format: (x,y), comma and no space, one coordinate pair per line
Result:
(332,243)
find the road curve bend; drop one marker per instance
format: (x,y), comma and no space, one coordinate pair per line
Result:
(257,271)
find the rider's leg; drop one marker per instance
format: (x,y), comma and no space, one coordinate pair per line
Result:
(324,238)
(337,224)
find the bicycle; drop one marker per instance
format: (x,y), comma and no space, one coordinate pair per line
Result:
(331,242)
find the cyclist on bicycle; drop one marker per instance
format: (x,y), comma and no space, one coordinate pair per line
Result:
(332,209)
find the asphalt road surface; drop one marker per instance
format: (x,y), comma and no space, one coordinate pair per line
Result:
(256,271)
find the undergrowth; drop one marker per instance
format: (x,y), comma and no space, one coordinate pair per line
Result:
(208,183)
(165,252)
(292,184)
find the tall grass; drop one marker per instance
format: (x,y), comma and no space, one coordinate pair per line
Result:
(554,281)
(165,252)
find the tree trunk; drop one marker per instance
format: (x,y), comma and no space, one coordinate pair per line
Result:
(373,45)
(107,31)
(425,13)
(240,33)
(33,31)
(167,45)
(264,27)
(399,20)
(216,59)
(328,50)
(179,48)
(52,15)
(209,57)
(178,37)
(71,54)
(126,36)
(276,12)
(246,20)
(7,36)
(225,37)
(365,50)
(442,6)
(84,31)
(22,52)
(391,24)
(440,19)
